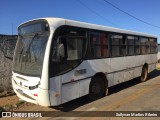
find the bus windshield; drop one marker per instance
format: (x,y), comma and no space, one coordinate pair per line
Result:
(29,52)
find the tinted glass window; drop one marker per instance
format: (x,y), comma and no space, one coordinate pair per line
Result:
(137,46)
(144,45)
(123,46)
(29,54)
(33,27)
(153,45)
(116,40)
(99,44)
(147,46)
(130,40)
(68,49)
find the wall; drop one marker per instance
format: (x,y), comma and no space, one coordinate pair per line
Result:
(5,66)
(5,73)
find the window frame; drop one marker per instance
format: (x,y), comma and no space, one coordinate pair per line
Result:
(137,45)
(153,46)
(79,61)
(99,44)
(146,39)
(131,45)
(111,46)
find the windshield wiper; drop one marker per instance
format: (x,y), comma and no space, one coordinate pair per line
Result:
(20,54)
(28,49)
(21,37)
(31,42)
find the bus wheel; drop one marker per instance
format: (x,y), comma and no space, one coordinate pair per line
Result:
(97,88)
(144,74)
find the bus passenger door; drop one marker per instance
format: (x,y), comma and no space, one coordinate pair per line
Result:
(67,51)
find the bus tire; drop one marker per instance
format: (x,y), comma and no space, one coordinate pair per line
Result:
(144,74)
(97,88)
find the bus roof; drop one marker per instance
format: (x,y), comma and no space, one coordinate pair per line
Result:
(57,22)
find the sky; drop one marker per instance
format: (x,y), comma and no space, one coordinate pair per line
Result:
(15,12)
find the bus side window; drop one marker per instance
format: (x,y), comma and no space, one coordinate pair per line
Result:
(104,45)
(153,45)
(123,46)
(130,42)
(115,44)
(64,42)
(99,44)
(147,46)
(143,45)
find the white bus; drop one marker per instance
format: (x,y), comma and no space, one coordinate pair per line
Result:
(57,60)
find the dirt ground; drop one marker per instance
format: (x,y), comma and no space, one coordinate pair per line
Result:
(9,101)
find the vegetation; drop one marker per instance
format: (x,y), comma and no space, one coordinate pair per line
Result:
(20,102)
(11,106)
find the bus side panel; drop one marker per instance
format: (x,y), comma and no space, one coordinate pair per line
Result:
(84,70)
(118,77)
(55,90)
(117,64)
(128,74)
(141,59)
(70,91)
(130,61)
(147,60)
(75,90)
(110,79)
(152,67)
(139,62)
(153,60)
(130,64)
(88,68)
(84,87)
(75,83)
(137,71)
(100,65)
